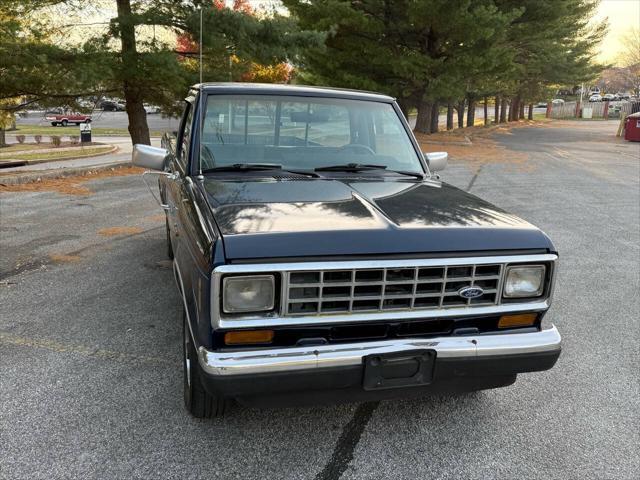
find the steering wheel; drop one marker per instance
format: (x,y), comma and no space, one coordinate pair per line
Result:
(358,146)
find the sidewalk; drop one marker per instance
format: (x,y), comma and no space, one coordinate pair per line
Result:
(62,168)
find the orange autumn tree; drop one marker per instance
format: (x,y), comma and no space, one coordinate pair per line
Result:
(240,69)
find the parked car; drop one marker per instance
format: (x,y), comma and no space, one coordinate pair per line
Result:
(623,95)
(557,101)
(608,97)
(112,106)
(151,109)
(595,98)
(63,119)
(319,256)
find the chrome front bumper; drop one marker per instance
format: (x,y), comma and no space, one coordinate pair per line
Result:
(344,355)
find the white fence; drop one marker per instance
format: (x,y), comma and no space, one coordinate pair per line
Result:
(598,109)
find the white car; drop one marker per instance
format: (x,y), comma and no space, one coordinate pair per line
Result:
(557,101)
(151,108)
(596,97)
(609,97)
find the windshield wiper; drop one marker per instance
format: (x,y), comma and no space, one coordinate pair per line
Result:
(360,167)
(252,167)
(409,174)
(350,167)
(244,167)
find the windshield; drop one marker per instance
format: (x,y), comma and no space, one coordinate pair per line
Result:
(304,133)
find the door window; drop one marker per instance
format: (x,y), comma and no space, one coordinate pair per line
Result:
(185,137)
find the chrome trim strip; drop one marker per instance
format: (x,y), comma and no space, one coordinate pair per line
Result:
(376,264)
(325,356)
(395,315)
(178,276)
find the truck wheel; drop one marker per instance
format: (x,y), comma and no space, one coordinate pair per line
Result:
(64,123)
(197,400)
(54,124)
(169,246)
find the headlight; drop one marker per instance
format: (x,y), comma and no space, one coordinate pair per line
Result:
(248,294)
(524,281)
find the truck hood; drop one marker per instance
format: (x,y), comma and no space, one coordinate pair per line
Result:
(269,218)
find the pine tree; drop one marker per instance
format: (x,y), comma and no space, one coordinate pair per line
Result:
(140,68)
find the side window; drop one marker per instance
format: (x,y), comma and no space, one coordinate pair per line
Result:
(185,136)
(390,137)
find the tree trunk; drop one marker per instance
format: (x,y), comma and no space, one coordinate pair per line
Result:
(450,116)
(530,116)
(435,117)
(133,93)
(3,138)
(486,112)
(404,107)
(423,122)
(460,110)
(521,116)
(496,110)
(471,112)
(515,108)
(503,109)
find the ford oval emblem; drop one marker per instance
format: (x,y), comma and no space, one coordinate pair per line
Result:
(470,292)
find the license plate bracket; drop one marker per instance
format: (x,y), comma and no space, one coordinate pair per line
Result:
(412,368)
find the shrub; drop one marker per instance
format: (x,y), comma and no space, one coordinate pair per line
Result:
(20,138)
(75,139)
(38,138)
(55,140)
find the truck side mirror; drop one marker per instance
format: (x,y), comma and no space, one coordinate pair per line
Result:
(436,161)
(146,156)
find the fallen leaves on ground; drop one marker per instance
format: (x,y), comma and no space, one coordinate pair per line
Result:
(71,185)
(113,231)
(476,146)
(62,258)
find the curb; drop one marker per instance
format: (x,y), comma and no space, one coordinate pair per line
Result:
(20,178)
(17,163)
(465,143)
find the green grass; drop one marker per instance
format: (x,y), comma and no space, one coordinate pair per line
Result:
(62,155)
(16,147)
(73,130)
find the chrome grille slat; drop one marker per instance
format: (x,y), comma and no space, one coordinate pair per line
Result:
(398,288)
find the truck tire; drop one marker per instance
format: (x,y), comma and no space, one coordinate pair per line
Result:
(169,246)
(197,400)
(54,124)
(64,123)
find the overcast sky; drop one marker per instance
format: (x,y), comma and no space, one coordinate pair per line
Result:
(623,15)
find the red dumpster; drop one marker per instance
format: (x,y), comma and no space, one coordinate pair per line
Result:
(632,127)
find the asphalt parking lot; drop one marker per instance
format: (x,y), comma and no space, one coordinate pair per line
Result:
(90,374)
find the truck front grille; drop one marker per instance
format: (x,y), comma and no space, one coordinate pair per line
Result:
(388,289)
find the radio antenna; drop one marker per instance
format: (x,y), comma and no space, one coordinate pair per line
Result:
(200,112)
(200,43)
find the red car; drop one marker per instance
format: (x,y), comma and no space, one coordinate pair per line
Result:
(66,118)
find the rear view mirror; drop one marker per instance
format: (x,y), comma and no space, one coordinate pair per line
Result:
(146,156)
(436,161)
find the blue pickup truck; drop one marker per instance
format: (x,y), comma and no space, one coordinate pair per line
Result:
(319,256)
